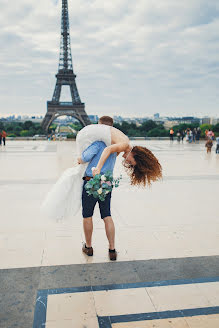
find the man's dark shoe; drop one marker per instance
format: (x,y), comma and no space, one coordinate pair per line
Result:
(87,250)
(112,255)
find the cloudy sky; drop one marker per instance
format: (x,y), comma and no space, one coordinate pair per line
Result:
(131,57)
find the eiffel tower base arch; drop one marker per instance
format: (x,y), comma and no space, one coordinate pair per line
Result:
(55,110)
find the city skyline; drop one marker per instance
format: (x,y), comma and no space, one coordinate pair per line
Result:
(131,59)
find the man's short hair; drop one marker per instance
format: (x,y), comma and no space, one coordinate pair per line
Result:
(107,120)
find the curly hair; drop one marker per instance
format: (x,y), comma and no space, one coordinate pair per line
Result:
(147,168)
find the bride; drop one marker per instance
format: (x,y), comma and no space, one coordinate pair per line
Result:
(141,165)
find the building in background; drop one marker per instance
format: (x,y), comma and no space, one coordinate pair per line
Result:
(171,121)
(214,120)
(93,118)
(206,120)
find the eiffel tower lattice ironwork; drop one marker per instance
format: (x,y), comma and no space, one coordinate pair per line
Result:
(65,76)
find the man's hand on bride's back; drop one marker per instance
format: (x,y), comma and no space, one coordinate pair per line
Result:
(80,161)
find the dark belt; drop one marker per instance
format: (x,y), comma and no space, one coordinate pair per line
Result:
(87,178)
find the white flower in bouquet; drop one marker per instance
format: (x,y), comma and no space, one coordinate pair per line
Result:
(103,178)
(99,191)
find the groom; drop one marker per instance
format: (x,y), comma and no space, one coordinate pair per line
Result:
(92,155)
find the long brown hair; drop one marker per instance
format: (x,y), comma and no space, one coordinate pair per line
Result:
(147,168)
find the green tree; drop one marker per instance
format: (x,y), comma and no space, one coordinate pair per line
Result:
(124,127)
(17,130)
(215,129)
(2,127)
(184,126)
(27,125)
(25,133)
(9,127)
(159,131)
(147,126)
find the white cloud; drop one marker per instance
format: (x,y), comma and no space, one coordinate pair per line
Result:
(129,56)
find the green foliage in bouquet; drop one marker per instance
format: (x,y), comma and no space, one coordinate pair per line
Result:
(101,185)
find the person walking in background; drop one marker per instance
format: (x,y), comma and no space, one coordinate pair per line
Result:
(182,135)
(213,136)
(187,134)
(190,136)
(217,145)
(171,134)
(4,134)
(208,145)
(206,134)
(194,133)
(0,138)
(178,136)
(209,134)
(198,134)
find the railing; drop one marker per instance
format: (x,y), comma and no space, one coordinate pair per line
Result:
(70,104)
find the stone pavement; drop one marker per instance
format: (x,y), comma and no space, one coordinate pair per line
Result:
(167,273)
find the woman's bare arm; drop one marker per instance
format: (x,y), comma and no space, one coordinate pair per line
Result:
(116,148)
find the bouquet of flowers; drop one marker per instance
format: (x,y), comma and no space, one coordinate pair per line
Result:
(102,184)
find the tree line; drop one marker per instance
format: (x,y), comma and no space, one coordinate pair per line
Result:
(21,129)
(146,129)
(152,129)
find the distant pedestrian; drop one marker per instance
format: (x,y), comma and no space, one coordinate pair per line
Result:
(182,134)
(217,145)
(178,136)
(171,134)
(194,133)
(209,134)
(213,136)
(206,134)
(190,136)
(187,135)
(208,145)
(0,138)
(4,134)
(198,134)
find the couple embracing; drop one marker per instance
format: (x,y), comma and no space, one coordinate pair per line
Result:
(98,146)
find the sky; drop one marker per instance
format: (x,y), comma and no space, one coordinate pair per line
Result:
(131,58)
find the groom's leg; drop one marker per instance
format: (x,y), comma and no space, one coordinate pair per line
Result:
(88,204)
(105,211)
(88,230)
(110,231)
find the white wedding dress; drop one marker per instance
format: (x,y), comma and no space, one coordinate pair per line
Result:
(64,199)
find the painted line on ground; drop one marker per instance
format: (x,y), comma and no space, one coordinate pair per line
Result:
(105,322)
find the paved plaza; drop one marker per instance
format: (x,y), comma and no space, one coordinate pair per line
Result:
(167,238)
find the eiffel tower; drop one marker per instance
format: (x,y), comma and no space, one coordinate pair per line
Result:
(65,76)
